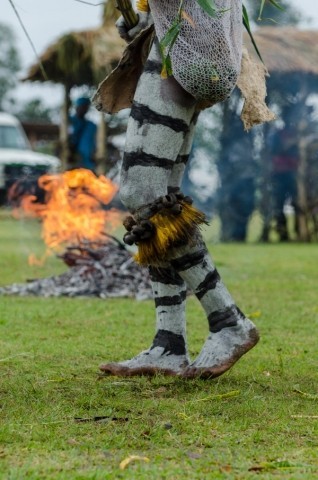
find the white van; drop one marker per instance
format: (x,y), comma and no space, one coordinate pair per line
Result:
(17,159)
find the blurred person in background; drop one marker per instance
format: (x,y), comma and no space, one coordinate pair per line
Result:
(82,137)
(285,158)
(238,170)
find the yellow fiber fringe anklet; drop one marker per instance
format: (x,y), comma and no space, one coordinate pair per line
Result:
(142,6)
(169,231)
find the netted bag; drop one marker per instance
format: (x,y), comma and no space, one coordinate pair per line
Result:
(206,57)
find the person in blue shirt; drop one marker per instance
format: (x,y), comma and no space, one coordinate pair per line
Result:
(82,136)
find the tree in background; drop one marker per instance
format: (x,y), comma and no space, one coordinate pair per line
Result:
(238,168)
(200,179)
(242,164)
(9,63)
(36,111)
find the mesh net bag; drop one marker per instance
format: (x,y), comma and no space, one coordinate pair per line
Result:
(206,57)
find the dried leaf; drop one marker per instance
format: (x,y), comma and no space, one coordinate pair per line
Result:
(124,463)
(311,396)
(255,314)
(251,83)
(72,441)
(281,465)
(161,390)
(164,72)
(194,455)
(226,468)
(24,354)
(220,396)
(187,17)
(304,416)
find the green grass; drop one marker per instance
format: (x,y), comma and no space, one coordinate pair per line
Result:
(255,422)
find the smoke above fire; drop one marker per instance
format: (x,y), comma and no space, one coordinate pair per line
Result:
(75,207)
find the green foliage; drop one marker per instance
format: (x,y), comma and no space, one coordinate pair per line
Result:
(168,41)
(246,23)
(35,110)
(208,6)
(257,421)
(9,62)
(259,9)
(263,12)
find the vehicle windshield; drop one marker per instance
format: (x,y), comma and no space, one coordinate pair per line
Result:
(12,137)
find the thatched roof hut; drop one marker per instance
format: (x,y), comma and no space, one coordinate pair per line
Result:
(287,49)
(81,58)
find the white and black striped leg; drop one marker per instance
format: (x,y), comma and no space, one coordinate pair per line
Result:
(231,333)
(168,352)
(179,166)
(170,291)
(168,287)
(158,125)
(170,294)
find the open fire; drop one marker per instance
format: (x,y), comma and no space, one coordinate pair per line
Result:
(74,208)
(76,223)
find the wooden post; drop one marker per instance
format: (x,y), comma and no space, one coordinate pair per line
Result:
(303,233)
(64,128)
(101,146)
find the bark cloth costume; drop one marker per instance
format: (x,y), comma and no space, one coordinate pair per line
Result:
(206,65)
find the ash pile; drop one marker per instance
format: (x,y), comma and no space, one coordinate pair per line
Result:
(97,269)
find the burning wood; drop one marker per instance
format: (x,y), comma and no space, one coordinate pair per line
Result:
(74,211)
(97,269)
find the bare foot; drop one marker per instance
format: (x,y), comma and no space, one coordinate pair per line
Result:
(150,362)
(167,355)
(222,350)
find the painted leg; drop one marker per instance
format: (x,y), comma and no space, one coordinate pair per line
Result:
(168,352)
(231,333)
(177,172)
(157,129)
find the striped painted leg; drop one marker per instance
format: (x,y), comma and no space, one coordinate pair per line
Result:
(168,352)
(159,128)
(159,135)
(231,334)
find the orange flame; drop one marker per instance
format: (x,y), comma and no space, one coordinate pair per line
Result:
(34,261)
(74,208)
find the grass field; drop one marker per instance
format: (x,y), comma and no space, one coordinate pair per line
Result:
(58,421)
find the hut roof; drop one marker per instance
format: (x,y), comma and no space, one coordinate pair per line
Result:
(79,58)
(287,49)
